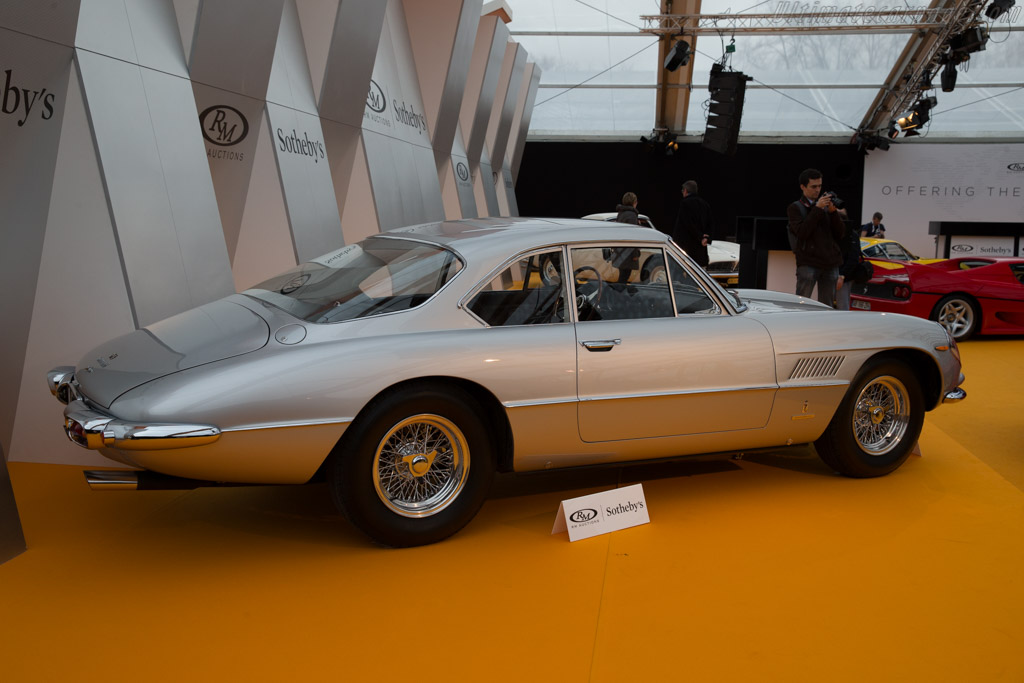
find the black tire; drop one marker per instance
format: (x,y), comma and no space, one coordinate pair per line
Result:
(958,313)
(414,468)
(653,270)
(877,424)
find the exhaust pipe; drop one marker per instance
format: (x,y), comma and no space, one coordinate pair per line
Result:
(139,480)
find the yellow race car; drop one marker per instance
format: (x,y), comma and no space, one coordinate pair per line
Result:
(890,250)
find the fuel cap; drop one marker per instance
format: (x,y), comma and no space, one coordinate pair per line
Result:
(290,334)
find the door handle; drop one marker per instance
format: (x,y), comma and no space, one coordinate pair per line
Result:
(601,345)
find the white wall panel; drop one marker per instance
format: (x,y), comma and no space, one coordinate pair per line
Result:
(264,246)
(81,300)
(300,147)
(34,78)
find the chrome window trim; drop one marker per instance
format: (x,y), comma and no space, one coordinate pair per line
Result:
(618,243)
(476,289)
(724,305)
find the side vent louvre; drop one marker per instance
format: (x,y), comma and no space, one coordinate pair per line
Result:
(818,366)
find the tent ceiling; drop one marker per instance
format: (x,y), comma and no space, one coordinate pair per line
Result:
(602,70)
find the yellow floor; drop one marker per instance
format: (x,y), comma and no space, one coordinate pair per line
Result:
(766,568)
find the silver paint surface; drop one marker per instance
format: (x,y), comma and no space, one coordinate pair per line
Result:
(689,384)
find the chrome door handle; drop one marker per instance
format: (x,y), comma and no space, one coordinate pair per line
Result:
(601,345)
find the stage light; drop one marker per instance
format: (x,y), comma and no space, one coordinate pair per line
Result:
(948,77)
(971,40)
(678,56)
(893,130)
(998,8)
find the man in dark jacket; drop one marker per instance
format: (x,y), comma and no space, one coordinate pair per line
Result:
(627,210)
(693,226)
(816,230)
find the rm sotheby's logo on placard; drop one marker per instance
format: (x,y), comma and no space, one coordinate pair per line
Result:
(962,248)
(1015,168)
(600,513)
(462,171)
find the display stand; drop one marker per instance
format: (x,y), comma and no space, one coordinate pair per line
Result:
(12,539)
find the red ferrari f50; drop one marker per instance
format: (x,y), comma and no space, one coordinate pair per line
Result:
(966,295)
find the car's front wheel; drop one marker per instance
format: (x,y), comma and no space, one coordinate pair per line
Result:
(959,314)
(877,424)
(415,468)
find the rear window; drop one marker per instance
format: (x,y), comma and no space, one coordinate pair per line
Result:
(378,275)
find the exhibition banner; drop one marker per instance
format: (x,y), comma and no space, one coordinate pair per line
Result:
(915,184)
(600,513)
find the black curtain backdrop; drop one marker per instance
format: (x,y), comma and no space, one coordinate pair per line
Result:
(573,179)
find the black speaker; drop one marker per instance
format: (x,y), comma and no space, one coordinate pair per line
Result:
(725,111)
(678,56)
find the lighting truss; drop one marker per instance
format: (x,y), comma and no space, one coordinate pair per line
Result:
(894,21)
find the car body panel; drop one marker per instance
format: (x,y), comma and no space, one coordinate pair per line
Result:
(766,370)
(717,373)
(218,330)
(994,283)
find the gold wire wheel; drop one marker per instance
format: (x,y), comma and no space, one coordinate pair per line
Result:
(421,465)
(882,415)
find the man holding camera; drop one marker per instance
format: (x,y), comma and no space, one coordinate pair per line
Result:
(815,229)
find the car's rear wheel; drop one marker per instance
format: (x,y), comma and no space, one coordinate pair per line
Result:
(415,468)
(877,424)
(959,314)
(653,270)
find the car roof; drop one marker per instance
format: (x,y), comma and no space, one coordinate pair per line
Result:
(510,235)
(611,215)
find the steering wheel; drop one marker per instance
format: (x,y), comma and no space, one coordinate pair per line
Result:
(594,297)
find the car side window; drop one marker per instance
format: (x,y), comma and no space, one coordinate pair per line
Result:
(690,295)
(530,291)
(896,252)
(874,251)
(620,283)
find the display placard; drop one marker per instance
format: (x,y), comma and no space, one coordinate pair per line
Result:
(600,513)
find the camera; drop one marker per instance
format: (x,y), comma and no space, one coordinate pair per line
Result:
(836,201)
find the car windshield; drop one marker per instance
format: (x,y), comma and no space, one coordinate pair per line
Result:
(378,275)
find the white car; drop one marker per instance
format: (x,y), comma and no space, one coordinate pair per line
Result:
(723,256)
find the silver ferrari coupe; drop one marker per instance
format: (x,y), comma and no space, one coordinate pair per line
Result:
(408,368)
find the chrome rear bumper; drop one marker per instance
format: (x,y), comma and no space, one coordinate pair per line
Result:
(92,429)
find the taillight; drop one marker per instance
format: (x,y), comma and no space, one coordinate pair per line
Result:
(901,292)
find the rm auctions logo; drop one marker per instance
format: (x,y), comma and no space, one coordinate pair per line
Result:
(1015,168)
(462,171)
(584,515)
(223,126)
(962,248)
(375,99)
